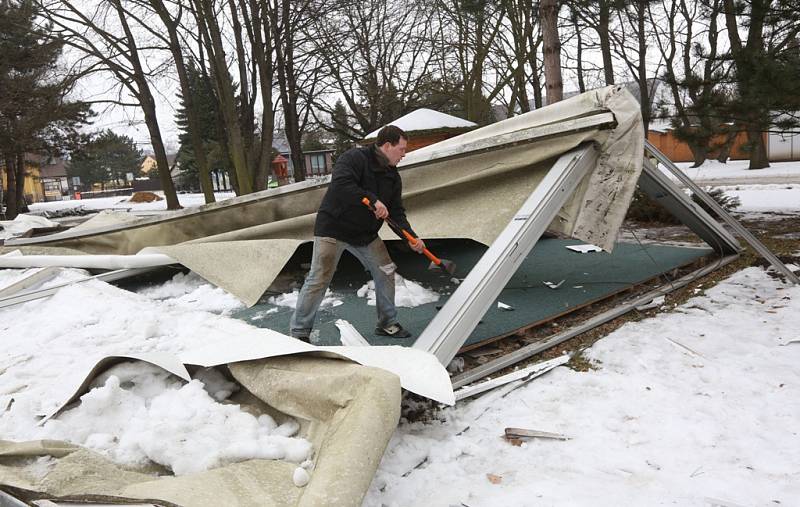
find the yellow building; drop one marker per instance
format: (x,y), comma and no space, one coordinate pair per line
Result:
(32,189)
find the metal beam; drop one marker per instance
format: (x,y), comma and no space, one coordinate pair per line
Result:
(454,323)
(662,190)
(109,276)
(551,341)
(724,215)
(38,276)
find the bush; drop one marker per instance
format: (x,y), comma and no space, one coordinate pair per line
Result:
(644,209)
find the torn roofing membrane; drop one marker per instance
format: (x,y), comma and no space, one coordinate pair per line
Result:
(478,180)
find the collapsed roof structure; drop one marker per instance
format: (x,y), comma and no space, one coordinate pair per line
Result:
(570,168)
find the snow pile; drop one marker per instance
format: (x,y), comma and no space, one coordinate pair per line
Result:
(698,406)
(290,299)
(408,293)
(190,291)
(137,413)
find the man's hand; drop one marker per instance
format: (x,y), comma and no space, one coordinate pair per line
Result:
(417,245)
(380,210)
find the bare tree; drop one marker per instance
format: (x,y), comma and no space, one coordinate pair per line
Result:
(597,15)
(548,12)
(108,44)
(766,66)
(374,56)
(208,16)
(520,53)
(172,20)
(687,35)
(630,43)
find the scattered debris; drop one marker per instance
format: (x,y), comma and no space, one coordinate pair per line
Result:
(686,348)
(554,285)
(349,335)
(584,248)
(145,197)
(456,365)
(528,373)
(494,479)
(505,307)
(655,303)
(484,351)
(514,435)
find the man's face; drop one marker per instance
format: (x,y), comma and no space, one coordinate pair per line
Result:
(394,153)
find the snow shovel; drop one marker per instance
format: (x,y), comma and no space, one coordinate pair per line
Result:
(445,265)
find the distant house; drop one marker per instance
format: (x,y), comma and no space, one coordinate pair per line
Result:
(317,162)
(32,189)
(426,126)
(781,146)
(149,163)
(54,181)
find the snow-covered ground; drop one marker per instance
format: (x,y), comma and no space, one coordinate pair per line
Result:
(696,406)
(123,203)
(737,169)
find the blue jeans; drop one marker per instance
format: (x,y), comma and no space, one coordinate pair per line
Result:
(324,260)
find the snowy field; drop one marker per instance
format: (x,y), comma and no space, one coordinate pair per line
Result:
(696,406)
(737,169)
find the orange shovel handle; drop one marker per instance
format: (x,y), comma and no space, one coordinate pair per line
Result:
(407,235)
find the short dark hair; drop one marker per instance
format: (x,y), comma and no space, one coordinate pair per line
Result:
(390,134)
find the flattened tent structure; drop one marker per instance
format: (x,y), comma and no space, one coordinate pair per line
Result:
(570,168)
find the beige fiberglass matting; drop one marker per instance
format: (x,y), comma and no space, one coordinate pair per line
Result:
(348,412)
(469,186)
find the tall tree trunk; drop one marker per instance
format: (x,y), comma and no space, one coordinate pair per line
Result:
(246,112)
(284,56)
(699,153)
(199,148)
(151,120)
(758,150)
(579,55)
(644,92)
(746,57)
(548,12)
(12,206)
(605,40)
(210,32)
(22,204)
(148,105)
(725,150)
(262,52)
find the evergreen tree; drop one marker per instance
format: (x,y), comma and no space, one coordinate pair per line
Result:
(766,69)
(341,127)
(104,158)
(212,132)
(35,116)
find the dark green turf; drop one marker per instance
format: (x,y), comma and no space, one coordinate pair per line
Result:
(587,277)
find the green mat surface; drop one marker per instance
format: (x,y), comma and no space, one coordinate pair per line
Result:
(586,277)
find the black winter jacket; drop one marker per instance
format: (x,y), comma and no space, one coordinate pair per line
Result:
(359,173)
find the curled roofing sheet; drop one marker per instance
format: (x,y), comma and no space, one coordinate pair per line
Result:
(468,186)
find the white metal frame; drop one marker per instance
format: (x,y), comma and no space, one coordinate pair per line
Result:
(662,190)
(454,323)
(724,215)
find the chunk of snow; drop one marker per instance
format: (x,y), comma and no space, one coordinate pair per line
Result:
(137,413)
(407,294)
(584,248)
